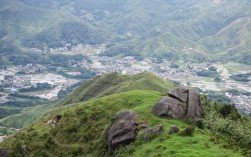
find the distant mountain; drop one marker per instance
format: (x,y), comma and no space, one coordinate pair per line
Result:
(30,26)
(200,30)
(174,29)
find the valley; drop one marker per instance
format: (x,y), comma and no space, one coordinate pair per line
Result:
(17,78)
(71,70)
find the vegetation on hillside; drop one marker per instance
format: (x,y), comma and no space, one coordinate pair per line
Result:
(175,29)
(115,83)
(82,130)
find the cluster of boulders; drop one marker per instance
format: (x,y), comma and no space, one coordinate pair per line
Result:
(181,103)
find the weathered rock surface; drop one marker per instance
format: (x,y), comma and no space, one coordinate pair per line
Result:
(181,103)
(170,107)
(123,131)
(151,131)
(23,150)
(4,152)
(174,129)
(179,93)
(54,120)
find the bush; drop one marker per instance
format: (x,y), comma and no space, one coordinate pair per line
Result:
(229,111)
(189,131)
(228,125)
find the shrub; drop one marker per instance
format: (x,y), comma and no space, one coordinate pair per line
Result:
(189,131)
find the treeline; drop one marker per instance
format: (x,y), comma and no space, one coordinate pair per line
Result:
(37,87)
(5,131)
(211,72)
(84,74)
(26,96)
(241,77)
(5,111)
(45,59)
(63,92)
(237,92)
(20,101)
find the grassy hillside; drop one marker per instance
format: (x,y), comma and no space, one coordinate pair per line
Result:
(115,83)
(25,116)
(21,110)
(81,131)
(21,116)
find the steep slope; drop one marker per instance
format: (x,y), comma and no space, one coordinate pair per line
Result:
(114,83)
(81,131)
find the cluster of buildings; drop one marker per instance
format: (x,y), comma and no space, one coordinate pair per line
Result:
(185,74)
(242,102)
(13,79)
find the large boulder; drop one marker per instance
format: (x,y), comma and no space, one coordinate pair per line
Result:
(194,106)
(123,131)
(181,103)
(170,107)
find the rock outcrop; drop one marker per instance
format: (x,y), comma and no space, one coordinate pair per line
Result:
(124,130)
(4,152)
(174,129)
(181,103)
(54,120)
(152,131)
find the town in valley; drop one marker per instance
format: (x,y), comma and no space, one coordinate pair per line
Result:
(45,81)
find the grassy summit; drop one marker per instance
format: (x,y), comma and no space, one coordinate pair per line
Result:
(115,83)
(80,128)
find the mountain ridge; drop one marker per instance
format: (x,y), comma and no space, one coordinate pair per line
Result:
(81,129)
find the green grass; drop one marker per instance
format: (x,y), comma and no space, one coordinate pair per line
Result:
(81,131)
(26,116)
(180,146)
(115,83)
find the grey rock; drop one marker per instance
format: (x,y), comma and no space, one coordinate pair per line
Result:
(170,107)
(23,150)
(174,129)
(194,107)
(181,103)
(179,93)
(152,131)
(123,131)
